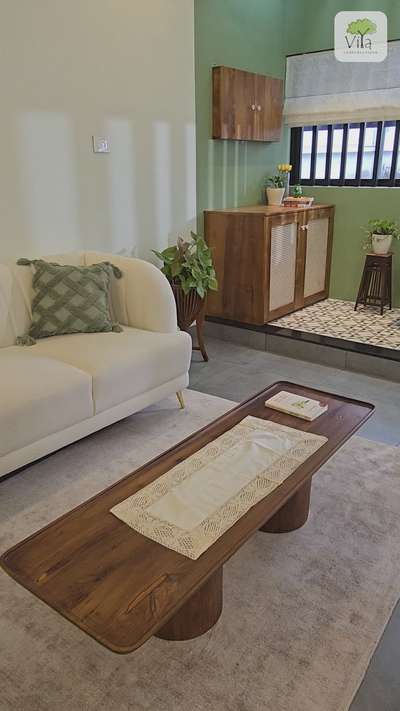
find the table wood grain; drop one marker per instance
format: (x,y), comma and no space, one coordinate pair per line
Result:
(121,587)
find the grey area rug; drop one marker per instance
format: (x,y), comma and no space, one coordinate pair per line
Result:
(302,614)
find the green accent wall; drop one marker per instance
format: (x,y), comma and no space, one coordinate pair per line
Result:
(256,35)
(310,23)
(310,29)
(246,34)
(354,207)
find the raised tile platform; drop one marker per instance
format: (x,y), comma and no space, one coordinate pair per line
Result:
(337,319)
(329,332)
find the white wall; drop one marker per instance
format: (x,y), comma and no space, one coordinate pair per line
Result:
(73,68)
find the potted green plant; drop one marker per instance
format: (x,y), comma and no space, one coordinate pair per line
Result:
(276,185)
(189,269)
(297,191)
(380,234)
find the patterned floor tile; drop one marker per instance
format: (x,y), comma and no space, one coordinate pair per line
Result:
(337,319)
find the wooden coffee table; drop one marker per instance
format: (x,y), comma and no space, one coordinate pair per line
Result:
(122,588)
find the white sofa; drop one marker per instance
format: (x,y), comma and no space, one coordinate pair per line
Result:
(65,387)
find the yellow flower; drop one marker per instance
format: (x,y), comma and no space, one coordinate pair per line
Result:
(284,167)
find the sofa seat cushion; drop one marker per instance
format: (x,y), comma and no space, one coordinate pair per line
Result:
(39,396)
(122,365)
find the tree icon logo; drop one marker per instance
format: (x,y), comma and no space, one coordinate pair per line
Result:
(361,37)
(359,29)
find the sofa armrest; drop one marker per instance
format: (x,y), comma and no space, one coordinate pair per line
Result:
(143,298)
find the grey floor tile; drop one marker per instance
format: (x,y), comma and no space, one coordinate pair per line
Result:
(379,367)
(236,372)
(379,429)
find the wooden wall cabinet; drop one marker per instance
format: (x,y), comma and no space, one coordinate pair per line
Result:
(246,106)
(269,261)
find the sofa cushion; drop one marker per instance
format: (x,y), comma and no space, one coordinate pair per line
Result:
(16,294)
(69,299)
(39,396)
(122,365)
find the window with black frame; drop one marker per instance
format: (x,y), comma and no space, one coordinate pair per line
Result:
(346,154)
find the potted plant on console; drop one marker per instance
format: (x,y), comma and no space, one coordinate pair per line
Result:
(278,185)
(189,269)
(380,235)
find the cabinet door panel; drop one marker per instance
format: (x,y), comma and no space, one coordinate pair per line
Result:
(243,101)
(268,113)
(282,265)
(317,253)
(237,243)
(234,96)
(246,106)
(316,256)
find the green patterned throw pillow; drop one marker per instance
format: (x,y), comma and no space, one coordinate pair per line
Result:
(69,299)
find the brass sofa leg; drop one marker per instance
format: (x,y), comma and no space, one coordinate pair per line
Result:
(181,401)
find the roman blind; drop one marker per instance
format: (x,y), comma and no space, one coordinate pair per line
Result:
(321,90)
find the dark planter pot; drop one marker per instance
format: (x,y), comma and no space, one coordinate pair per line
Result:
(188,306)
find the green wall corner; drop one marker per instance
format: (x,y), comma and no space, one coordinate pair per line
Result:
(353,208)
(245,35)
(256,35)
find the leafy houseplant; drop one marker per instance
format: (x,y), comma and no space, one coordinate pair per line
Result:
(277,185)
(189,269)
(275,181)
(380,234)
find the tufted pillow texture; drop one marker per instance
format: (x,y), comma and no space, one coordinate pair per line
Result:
(69,299)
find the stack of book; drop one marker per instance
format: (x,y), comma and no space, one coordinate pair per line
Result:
(297,405)
(298,202)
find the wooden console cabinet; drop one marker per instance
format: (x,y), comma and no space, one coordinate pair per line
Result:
(246,106)
(269,261)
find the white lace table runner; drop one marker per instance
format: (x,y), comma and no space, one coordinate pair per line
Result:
(191,506)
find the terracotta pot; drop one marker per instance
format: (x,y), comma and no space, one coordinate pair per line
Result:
(275,195)
(381,243)
(188,306)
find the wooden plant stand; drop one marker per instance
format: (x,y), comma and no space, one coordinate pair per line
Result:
(191,308)
(200,333)
(376,282)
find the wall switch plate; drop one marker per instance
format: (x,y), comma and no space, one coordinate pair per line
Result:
(101,144)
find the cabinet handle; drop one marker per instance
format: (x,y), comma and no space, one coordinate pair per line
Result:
(253,107)
(304,227)
(258,107)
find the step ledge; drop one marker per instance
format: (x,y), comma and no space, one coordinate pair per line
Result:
(293,347)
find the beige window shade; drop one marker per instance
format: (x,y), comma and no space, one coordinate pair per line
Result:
(321,90)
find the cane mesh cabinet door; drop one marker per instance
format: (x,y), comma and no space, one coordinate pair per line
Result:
(318,236)
(266,266)
(283,241)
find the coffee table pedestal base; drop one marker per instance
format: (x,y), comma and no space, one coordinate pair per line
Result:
(198,614)
(293,514)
